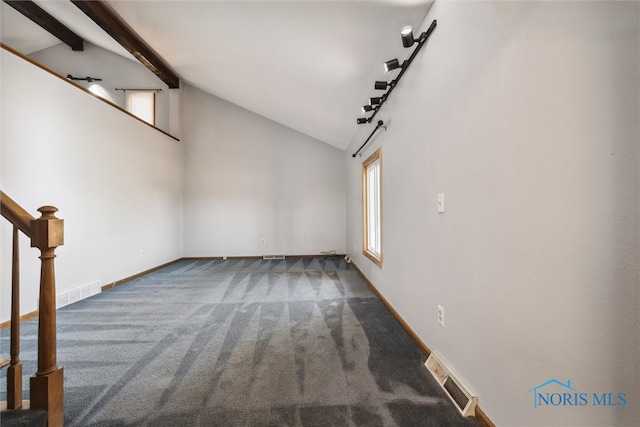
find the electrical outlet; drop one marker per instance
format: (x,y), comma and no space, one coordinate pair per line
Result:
(441,315)
(262,241)
(141,252)
(441,203)
(224,258)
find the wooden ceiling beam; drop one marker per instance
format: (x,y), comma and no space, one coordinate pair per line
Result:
(113,25)
(48,22)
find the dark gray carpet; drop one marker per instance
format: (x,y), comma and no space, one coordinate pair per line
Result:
(23,418)
(296,342)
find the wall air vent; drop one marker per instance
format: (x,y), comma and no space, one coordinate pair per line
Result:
(273,257)
(76,294)
(457,391)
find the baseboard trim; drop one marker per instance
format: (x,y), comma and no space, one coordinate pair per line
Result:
(255,257)
(483,418)
(135,276)
(318,256)
(393,311)
(480,415)
(26,404)
(221,258)
(31,315)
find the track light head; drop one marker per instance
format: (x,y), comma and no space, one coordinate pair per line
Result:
(361,120)
(391,65)
(380,85)
(375,100)
(366,108)
(407,36)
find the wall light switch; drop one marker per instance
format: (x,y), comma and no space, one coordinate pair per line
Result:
(441,203)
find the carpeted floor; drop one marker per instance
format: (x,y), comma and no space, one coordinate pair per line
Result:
(295,342)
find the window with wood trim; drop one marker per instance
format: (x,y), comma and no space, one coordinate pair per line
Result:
(142,104)
(372,207)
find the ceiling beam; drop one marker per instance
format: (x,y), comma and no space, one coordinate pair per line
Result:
(113,25)
(48,22)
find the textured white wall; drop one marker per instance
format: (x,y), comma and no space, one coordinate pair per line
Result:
(116,182)
(525,114)
(115,72)
(248,178)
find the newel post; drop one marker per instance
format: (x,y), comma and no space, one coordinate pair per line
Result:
(47,383)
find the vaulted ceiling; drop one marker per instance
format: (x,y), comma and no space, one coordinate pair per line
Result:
(307,64)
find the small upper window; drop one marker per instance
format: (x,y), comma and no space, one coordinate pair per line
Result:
(142,104)
(372,207)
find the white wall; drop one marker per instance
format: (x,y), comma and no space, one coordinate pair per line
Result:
(115,72)
(248,178)
(116,182)
(525,114)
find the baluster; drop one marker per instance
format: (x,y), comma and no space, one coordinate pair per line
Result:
(47,383)
(14,372)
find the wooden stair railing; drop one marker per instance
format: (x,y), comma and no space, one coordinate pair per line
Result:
(46,386)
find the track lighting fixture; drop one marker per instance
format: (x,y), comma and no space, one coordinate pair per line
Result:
(408,40)
(86,79)
(391,65)
(407,36)
(366,108)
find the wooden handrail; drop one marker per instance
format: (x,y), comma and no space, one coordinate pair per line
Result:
(14,213)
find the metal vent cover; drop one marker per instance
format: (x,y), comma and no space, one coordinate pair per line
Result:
(457,391)
(457,395)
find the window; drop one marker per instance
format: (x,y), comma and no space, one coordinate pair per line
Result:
(372,207)
(142,104)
